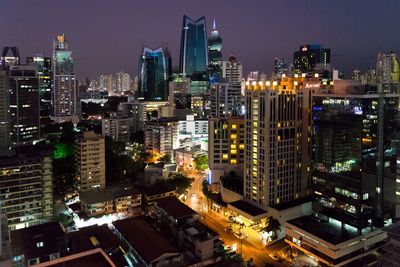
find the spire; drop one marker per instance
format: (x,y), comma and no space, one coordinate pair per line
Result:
(214,25)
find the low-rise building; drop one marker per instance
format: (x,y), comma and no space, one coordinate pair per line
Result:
(37,244)
(154,192)
(183,225)
(330,241)
(144,245)
(159,171)
(110,200)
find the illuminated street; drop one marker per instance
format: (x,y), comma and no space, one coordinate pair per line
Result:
(252,246)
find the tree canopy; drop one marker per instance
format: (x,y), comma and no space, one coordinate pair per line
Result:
(201,162)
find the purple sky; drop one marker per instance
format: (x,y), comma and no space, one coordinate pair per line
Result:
(106,36)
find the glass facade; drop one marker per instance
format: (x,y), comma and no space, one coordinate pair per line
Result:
(354,151)
(154,73)
(193,53)
(43,65)
(214,55)
(306,59)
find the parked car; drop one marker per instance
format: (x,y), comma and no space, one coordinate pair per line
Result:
(274,257)
(240,235)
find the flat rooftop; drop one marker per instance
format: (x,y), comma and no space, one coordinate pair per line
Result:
(154,190)
(175,207)
(247,208)
(146,240)
(25,241)
(330,231)
(110,193)
(91,260)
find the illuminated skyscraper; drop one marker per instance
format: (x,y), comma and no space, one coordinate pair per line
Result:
(193,53)
(4,109)
(64,93)
(214,55)
(311,57)
(24,104)
(43,65)
(387,68)
(277,141)
(154,73)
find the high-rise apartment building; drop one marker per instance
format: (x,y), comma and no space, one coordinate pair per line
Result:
(214,55)
(387,68)
(26,186)
(5,127)
(226,100)
(64,82)
(43,65)
(90,161)
(232,71)
(226,146)
(193,51)
(280,67)
(311,57)
(24,104)
(277,141)
(118,127)
(154,73)
(179,92)
(161,137)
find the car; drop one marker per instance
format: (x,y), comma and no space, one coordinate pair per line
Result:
(193,195)
(240,235)
(274,257)
(228,229)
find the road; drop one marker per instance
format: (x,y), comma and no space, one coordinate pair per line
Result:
(252,247)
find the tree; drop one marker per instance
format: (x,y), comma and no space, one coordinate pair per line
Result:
(201,162)
(178,181)
(273,226)
(166,158)
(206,189)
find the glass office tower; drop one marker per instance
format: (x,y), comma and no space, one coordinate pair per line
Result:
(193,53)
(354,153)
(214,55)
(43,65)
(154,73)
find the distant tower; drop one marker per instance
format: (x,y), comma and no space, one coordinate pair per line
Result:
(154,72)
(64,93)
(193,53)
(311,57)
(43,65)
(214,55)
(10,56)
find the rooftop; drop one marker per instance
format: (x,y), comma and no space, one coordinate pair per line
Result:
(37,241)
(154,190)
(248,208)
(175,208)
(149,243)
(330,231)
(110,193)
(91,237)
(97,258)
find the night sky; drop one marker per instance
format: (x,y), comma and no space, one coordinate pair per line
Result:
(106,36)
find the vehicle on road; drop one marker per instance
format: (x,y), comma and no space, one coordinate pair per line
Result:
(240,235)
(228,229)
(274,257)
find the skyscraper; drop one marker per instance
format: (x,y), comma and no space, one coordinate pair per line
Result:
(154,73)
(277,141)
(90,161)
(214,55)
(193,52)
(311,57)
(10,56)
(43,65)
(232,72)
(24,104)
(387,68)
(64,83)
(4,109)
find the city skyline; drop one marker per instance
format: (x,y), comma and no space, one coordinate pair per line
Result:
(244,32)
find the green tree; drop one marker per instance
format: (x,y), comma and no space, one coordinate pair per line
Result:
(273,226)
(166,158)
(201,162)
(206,189)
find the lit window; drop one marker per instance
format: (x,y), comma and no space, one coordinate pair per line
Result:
(39,244)
(233,161)
(233,126)
(225,156)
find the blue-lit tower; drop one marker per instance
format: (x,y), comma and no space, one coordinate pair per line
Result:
(193,53)
(154,73)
